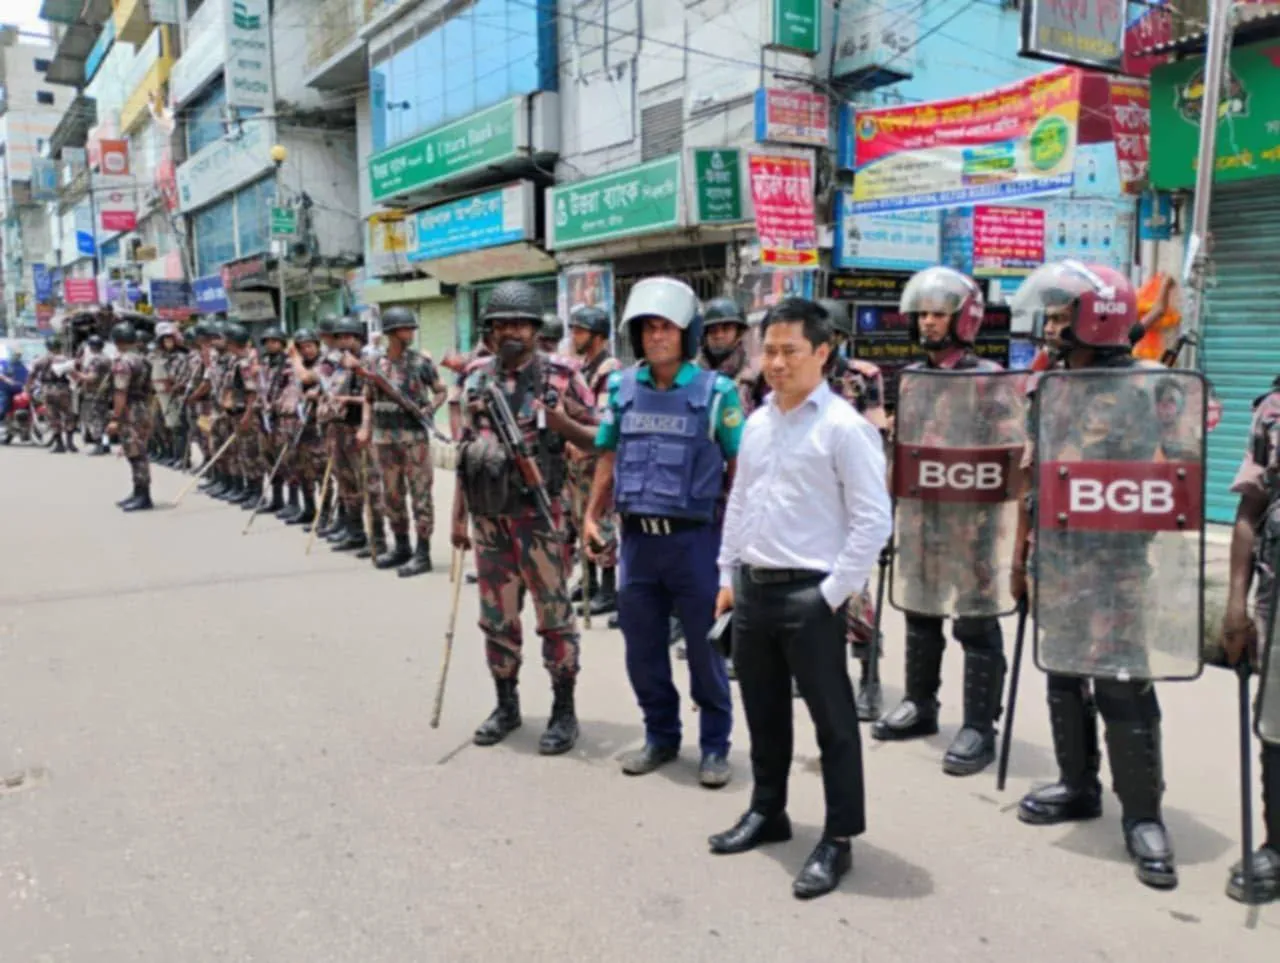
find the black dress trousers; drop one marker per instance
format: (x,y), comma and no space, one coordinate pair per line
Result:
(783,627)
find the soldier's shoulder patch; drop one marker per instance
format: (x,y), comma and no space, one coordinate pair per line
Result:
(732,417)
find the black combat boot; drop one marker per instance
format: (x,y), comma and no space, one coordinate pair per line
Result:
(917,714)
(378,544)
(974,747)
(398,555)
(58,448)
(1077,795)
(71,442)
(1266,861)
(335,529)
(420,563)
(562,726)
(277,497)
(235,491)
(353,537)
(293,507)
(505,718)
(141,500)
(330,519)
(252,495)
(217,484)
(308,514)
(867,702)
(1133,751)
(605,599)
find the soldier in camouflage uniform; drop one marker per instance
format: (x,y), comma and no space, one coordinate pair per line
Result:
(550,334)
(1111,424)
(131,413)
(95,395)
(332,523)
(862,385)
(516,549)
(50,383)
(200,407)
(945,311)
(166,371)
(1255,540)
(343,409)
(724,350)
(225,484)
(239,403)
(304,465)
(401,446)
(274,374)
(590,327)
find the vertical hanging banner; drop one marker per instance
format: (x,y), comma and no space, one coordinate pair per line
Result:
(1131,128)
(248,70)
(1014,141)
(782,190)
(113,157)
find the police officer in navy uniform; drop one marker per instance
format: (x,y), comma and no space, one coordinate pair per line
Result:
(669,437)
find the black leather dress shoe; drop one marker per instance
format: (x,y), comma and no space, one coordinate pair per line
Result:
(752,830)
(822,870)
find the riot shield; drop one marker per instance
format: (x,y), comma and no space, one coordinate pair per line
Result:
(1118,558)
(1267,718)
(960,442)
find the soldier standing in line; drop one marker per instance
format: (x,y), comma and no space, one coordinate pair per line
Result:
(49,380)
(274,374)
(550,334)
(200,407)
(217,377)
(1255,540)
(166,363)
(298,399)
(334,527)
(239,403)
(860,383)
(949,552)
(518,549)
(402,446)
(131,413)
(590,327)
(95,381)
(343,410)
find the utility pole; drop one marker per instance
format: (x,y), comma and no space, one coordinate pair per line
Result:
(1217,47)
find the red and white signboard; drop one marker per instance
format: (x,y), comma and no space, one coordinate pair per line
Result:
(1131,127)
(782,190)
(80,291)
(117,206)
(1121,496)
(792,117)
(114,158)
(980,476)
(1007,240)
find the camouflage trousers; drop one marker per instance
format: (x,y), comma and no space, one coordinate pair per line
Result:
(246,453)
(407,472)
(302,462)
(348,468)
(581,474)
(515,554)
(96,416)
(57,401)
(135,433)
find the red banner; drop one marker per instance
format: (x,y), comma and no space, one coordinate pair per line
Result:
(1007,240)
(1131,130)
(80,291)
(982,476)
(1121,496)
(114,157)
(782,190)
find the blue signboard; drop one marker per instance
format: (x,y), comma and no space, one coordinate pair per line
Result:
(957,239)
(1155,216)
(99,50)
(84,243)
(170,295)
(473,223)
(210,296)
(43,282)
(891,241)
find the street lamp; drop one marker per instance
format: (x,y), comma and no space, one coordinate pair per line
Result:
(280,154)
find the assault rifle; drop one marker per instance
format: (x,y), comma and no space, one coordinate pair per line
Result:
(512,438)
(1170,358)
(395,394)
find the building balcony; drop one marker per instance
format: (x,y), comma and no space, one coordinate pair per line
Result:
(336,52)
(133,20)
(74,46)
(67,12)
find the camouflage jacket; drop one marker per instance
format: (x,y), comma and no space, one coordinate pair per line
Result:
(860,383)
(131,373)
(538,378)
(415,376)
(743,372)
(42,373)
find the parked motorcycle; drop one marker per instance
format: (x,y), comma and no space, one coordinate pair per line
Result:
(26,422)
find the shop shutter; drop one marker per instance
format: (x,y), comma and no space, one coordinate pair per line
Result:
(662,129)
(1240,348)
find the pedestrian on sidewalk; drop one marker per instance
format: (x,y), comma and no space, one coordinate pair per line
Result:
(807,517)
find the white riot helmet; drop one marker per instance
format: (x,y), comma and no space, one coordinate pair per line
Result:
(166,329)
(666,298)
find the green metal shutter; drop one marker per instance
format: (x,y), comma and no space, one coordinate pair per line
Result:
(1241,347)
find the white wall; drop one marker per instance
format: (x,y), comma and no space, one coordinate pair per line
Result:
(290,23)
(323,163)
(708,55)
(22,81)
(364,147)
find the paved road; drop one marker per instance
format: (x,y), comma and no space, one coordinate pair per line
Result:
(227,757)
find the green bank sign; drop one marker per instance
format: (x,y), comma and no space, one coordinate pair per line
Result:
(460,147)
(643,199)
(1248,144)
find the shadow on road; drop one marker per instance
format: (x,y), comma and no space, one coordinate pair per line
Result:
(877,873)
(1194,843)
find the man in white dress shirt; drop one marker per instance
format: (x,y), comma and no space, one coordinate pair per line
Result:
(806,519)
